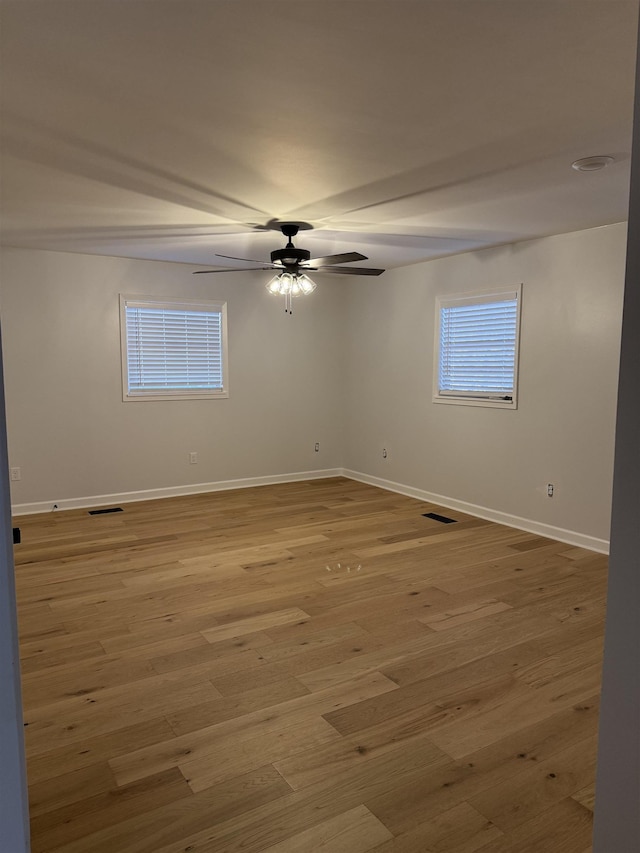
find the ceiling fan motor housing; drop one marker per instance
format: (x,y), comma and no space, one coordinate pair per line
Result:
(289,255)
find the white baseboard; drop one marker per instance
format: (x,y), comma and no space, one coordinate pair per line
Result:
(171,491)
(571,537)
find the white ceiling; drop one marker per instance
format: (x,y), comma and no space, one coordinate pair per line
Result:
(403,129)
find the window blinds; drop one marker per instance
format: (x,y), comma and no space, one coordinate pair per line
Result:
(173,349)
(478,342)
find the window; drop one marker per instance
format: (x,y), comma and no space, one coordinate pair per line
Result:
(476,358)
(173,350)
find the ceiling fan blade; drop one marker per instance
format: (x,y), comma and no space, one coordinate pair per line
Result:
(344,258)
(347,270)
(231,269)
(232,258)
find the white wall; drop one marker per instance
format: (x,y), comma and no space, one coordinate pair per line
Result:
(352,369)
(72,435)
(563,429)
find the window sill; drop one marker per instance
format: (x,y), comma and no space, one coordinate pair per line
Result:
(154,398)
(474,401)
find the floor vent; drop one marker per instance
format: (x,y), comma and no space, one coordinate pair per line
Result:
(104,511)
(441,518)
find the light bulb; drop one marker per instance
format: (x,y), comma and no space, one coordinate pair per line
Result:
(286,282)
(306,284)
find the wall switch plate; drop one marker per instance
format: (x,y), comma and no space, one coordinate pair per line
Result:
(317,447)
(193,457)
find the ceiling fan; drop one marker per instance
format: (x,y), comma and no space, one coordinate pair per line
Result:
(292,264)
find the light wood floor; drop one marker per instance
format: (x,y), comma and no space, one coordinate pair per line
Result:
(306,667)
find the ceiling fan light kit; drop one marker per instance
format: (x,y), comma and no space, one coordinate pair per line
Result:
(292,265)
(289,285)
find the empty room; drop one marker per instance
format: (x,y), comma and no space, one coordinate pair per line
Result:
(319,346)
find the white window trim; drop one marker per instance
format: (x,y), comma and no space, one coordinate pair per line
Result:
(476,297)
(137,300)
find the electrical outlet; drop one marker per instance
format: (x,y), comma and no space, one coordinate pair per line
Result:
(549,490)
(384,452)
(193,457)
(317,448)
(16,474)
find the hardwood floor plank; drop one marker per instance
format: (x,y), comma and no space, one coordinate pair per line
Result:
(459,781)
(318,766)
(265,675)
(158,630)
(586,796)
(512,626)
(222,654)
(538,787)
(254,749)
(42,658)
(507,712)
(65,759)
(355,831)
(323,637)
(85,817)
(286,723)
(86,716)
(163,824)
(567,826)
(460,829)
(466,613)
(81,678)
(69,787)
(281,819)
(253,624)
(251,699)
